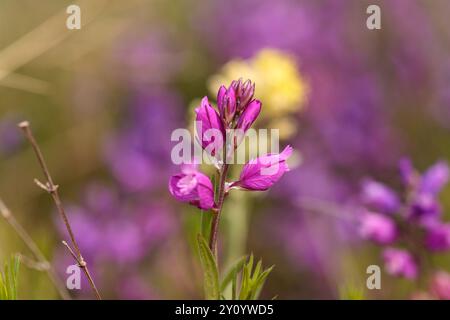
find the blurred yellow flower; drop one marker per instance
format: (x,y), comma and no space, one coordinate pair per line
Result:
(279,85)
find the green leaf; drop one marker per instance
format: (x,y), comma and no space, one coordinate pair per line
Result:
(232,272)
(257,271)
(250,265)
(9,279)
(259,283)
(252,280)
(244,283)
(234,285)
(210,270)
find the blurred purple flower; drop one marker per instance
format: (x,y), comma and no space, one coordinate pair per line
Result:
(435,178)
(417,219)
(379,196)
(438,237)
(400,263)
(423,190)
(378,228)
(424,207)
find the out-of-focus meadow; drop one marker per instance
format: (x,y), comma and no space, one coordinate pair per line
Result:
(104,100)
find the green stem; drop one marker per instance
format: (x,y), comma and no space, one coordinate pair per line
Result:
(216,217)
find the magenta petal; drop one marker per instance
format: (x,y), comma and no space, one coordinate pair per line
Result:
(208,119)
(220,99)
(261,173)
(249,115)
(193,187)
(226,102)
(180,193)
(230,106)
(205,192)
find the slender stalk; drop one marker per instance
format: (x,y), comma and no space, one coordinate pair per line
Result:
(52,189)
(26,238)
(216,217)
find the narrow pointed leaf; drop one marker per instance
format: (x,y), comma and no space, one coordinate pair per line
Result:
(210,271)
(233,286)
(232,272)
(260,283)
(257,271)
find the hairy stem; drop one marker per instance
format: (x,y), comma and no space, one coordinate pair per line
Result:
(26,238)
(216,217)
(52,189)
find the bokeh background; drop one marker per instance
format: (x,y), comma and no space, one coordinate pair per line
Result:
(104,100)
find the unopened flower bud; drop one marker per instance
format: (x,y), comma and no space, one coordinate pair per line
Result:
(226,102)
(244,93)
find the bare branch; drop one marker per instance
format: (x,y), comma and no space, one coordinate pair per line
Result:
(52,189)
(33,264)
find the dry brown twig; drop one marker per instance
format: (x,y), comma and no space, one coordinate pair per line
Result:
(52,189)
(42,263)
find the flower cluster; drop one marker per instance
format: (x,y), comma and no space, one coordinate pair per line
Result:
(414,223)
(238,110)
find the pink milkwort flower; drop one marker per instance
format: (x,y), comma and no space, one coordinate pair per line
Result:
(261,173)
(400,263)
(210,129)
(192,186)
(238,110)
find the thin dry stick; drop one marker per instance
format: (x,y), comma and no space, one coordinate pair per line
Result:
(52,189)
(26,238)
(31,263)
